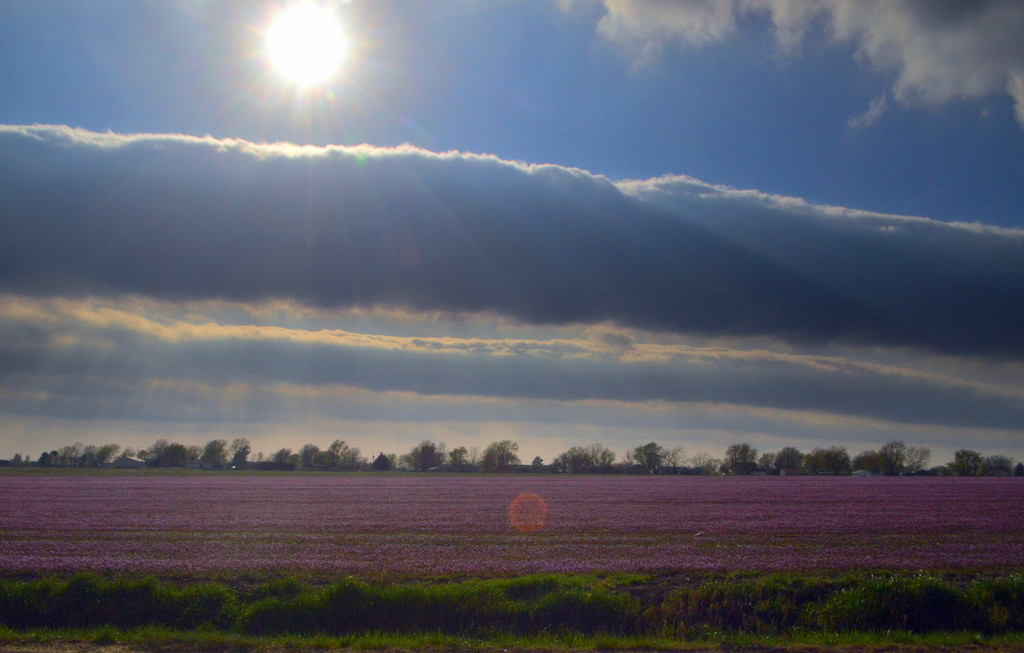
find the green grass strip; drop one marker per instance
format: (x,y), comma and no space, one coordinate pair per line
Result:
(592,608)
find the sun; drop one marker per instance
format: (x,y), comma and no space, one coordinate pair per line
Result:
(306,44)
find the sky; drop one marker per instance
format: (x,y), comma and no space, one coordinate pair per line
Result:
(560,222)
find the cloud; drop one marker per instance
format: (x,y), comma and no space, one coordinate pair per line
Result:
(182,218)
(934,51)
(878,106)
(90,360)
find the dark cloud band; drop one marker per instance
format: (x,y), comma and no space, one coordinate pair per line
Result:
(186,218)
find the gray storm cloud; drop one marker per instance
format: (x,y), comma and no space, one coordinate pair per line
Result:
(181,218)
(97,362)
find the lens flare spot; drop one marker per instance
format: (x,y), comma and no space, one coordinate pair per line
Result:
(528,512)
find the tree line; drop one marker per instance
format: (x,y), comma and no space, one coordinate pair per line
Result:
(892,458)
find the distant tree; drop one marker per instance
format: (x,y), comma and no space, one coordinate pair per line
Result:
(382,463)
(69,454)
(331,458)
(538,463)
(739,453)
(342,456)
(426,455)
(103,454)
(323,460)
(1018,469)
(674,458)
(16,461)
(706,463)
(868,461)
(215,454)
(997,464)
(44,459)
(88,457)
(650,456)
(306,454)
(789,458)
(351,459)
(814,461)
(917,458)
(129,452)
(174,454)
(281,456)
(834,460)
(966,462)
(766,461)
(474,456)
(393,460)
(894,457)
(156,450)
(239,452)
(500,456)
(574,460)
(458,456)
(195,453)
(599,458)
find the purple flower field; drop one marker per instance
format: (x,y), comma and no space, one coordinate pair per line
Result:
(198,525)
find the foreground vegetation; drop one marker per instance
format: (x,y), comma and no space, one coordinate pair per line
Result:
(540,611)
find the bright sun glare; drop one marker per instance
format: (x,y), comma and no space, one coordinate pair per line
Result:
(306,44)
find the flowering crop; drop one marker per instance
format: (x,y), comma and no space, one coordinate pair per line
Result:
(199,525)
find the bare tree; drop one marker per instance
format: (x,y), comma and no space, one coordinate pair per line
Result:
(917,458)
(600,458)
(997,464)
(706,463)
(674,457)
(894,457)
(766,461)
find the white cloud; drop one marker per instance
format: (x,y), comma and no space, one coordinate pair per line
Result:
(878,106)
(935,52)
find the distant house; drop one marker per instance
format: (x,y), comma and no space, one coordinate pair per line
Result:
(862,472)
(129,462)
